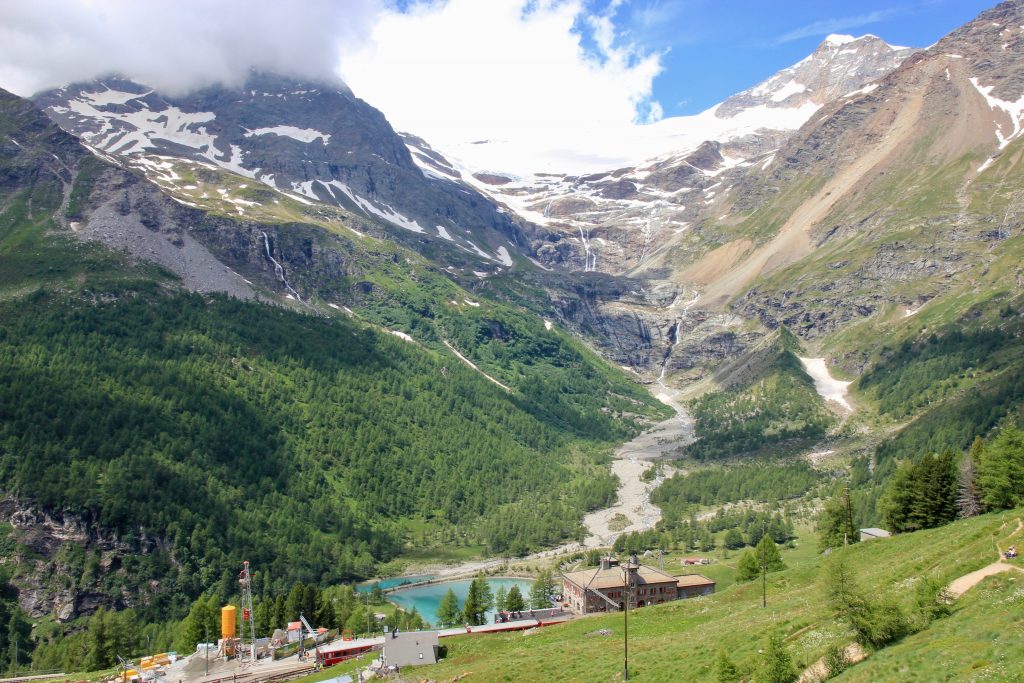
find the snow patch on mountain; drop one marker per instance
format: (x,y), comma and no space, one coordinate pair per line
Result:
(1012,109)
(306,135)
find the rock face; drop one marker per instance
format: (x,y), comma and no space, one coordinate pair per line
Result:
(64,566)
(314,140)
(934,127)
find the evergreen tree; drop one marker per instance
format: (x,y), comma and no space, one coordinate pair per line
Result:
(749,566)
(472,612)
(542,590)
(922,495)
(734,539)
(874,623)
(280,619)
(777,665)
(835,522)
(448,610)
(1001,470)
(514,600)
(486,596)
(295,603)
(499,599)
(768,555)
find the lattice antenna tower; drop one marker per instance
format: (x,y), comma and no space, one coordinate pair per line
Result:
(248,620)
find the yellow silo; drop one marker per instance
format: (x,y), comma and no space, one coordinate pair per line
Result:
(228,621)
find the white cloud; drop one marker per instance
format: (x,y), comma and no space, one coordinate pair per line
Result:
(173,45)
(552,84)
(537,80)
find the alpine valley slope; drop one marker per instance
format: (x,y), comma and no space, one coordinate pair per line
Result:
(248,429)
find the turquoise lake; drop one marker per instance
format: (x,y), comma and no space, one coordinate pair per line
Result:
(427,598)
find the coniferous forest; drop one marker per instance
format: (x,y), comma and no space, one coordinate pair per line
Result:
(204,431)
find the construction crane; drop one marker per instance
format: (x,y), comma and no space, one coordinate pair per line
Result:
(245,579)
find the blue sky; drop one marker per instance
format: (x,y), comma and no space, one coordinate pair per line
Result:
(712,49)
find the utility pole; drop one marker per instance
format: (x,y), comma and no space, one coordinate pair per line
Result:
(631,567)
(764,569)
(849,515)
(206,647)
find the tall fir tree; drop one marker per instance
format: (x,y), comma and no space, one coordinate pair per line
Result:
(448,610)
(514,600)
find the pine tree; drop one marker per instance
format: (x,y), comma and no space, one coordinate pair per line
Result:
(768,555)
(542,590)
(295,602)
(835,523)
(777,666)
(749,566)
(471,610)
(499,599)
(514,600)
(486,596)
(98,655)
(448,610)
(1001,470)
(922,495)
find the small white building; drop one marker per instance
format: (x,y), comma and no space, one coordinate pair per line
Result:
(873,534)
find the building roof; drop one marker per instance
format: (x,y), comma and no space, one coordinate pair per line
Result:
(693,580)
(294,625)
(873,531)
(612,577)
(413,647)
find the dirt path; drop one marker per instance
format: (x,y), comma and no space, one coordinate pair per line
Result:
(969,581)
(472,365)
(818,671)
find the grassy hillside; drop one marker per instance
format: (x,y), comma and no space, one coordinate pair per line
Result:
(680,641)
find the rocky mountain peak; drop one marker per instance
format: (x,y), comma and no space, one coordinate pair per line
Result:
(840,65)
(313,141)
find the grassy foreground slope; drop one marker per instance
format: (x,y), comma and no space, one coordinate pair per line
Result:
(680,641)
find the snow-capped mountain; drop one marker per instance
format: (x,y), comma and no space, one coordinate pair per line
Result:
(615,221)
(313,142)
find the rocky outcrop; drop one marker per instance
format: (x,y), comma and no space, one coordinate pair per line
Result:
(63,565)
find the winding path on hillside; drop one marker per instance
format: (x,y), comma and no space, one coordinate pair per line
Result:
(972,579)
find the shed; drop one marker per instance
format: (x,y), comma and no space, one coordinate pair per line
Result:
(408,649)
(872,534)
(692,585)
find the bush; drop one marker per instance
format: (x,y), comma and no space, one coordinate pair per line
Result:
(836,661)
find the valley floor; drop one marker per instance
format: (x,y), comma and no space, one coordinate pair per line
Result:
(633,511)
